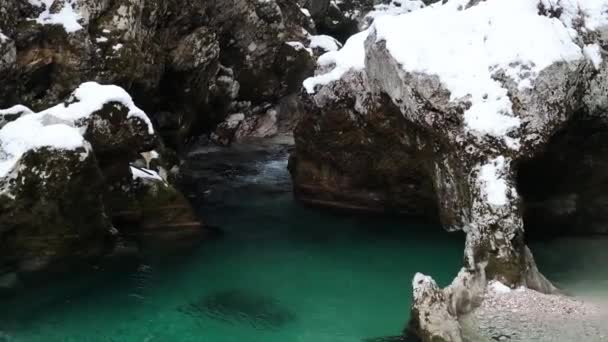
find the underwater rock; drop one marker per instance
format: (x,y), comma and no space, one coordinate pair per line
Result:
(241,307)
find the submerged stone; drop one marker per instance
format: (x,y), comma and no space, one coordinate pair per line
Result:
(241,307)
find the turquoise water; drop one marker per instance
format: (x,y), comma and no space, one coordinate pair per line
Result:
(281,272)
(577,265)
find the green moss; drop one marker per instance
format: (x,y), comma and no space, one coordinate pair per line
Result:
(56,210)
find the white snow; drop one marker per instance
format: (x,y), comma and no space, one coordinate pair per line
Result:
(493,185)
(421,281)
(58,126)
(3,38)
(305,11)
(350,57)
(234,120)
(117,47)
(466,48)
(101,39)
(68,17)
(16,110)
(28,133)
(91,97)
(145,174)
(594,13)
(324,42)
(395,7)
(299,46)
(594,53)
(498,287)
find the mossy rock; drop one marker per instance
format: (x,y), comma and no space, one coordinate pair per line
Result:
(110,130)
(52,208)
(160,217)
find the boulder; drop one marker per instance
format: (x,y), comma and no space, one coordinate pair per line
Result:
(66,182)
(52,210)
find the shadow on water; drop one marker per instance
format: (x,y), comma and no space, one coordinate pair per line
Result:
(240,307)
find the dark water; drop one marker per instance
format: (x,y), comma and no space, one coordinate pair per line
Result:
(281,272)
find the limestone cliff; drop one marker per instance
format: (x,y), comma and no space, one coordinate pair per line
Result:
(442,108)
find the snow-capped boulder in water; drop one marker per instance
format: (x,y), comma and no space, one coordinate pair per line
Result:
(66,180)
(479,86)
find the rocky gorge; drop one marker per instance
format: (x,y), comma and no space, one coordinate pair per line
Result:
(490,127)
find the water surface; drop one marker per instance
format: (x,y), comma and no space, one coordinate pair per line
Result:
(281,272)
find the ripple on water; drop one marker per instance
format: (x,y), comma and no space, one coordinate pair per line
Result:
(239,306)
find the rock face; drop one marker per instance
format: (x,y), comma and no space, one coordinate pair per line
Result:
(464,112)
(229,68)
(188,64)
(66,184)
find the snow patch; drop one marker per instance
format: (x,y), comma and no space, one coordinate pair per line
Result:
(594,53)
(498,287)
(18,109)
(58,126)
(90,97)
(325,43)
(68,17)
(234,120)
(493,185)
(593,14)
(466,48)
(422,280)
(143,173)
(350,57)
(29,133)
(395,7)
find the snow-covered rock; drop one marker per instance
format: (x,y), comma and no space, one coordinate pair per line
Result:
(164,52)
(477,88)
(66,184)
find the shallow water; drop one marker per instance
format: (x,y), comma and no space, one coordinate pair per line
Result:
(281,272)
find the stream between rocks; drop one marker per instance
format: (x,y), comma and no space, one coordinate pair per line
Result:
(278,272)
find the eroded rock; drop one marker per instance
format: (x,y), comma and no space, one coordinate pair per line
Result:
(467,112)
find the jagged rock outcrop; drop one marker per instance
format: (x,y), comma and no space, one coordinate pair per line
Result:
(67,184)
(188,64)
(466,97)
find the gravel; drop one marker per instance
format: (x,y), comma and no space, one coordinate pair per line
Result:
(529,316)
